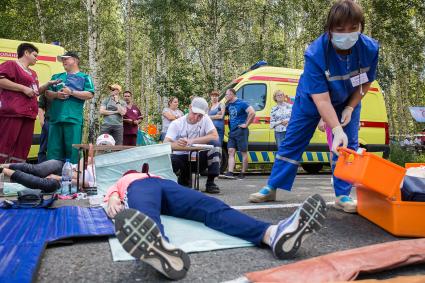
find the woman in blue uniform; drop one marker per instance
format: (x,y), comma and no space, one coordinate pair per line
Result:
(339,68)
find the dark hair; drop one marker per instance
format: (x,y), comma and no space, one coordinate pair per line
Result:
(129,172)
(232,90)
(171,99)
(25,47)
(345,11)
(214,92)
(127,91)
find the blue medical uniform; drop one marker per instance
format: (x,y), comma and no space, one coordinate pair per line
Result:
(321,56)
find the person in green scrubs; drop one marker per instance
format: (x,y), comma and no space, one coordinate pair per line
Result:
(66,110)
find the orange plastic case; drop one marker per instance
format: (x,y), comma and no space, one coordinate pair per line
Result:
(377,183)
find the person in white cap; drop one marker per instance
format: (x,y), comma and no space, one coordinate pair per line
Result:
(195,128)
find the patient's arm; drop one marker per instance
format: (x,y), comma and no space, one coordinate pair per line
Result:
(114,205)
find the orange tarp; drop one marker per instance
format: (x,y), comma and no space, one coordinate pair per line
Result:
(400,279)
(346,265)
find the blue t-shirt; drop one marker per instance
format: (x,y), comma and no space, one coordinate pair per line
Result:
(237,113)
(321,57)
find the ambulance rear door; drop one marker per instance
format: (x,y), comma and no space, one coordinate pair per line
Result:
(255,94)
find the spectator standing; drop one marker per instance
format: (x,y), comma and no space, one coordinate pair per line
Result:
(113,109)
(19,89)
(132,119)
(279,116)
(195,128)
(241,115)
(170,114)
(216,113)
(66,114)
(43,117)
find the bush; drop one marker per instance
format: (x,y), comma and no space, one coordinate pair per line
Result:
(401,155)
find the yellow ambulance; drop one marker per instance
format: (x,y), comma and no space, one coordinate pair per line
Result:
(257,87)
(46,66)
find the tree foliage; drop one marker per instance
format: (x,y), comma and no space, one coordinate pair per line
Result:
(162,48)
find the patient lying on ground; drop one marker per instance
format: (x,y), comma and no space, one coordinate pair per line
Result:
(137,200)
(45,176)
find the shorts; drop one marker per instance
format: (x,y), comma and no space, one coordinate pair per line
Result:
(238,138)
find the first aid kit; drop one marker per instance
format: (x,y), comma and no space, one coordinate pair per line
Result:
(378,185)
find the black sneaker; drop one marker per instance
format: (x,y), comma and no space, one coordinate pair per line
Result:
(241,176)
(140,236)
(228,175)
(212,188)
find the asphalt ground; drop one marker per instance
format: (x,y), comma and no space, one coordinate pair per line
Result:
(90,260)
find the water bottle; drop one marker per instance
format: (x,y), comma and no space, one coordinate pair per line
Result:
(66,182)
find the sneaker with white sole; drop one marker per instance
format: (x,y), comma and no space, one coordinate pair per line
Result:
(228,175)
(291,232)
(346,203)
(140,236)
(265,194)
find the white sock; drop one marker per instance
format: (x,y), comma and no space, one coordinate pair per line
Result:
(270,233)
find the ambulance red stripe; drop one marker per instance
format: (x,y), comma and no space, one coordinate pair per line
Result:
(40,57)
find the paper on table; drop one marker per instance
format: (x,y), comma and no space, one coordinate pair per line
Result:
(206,146)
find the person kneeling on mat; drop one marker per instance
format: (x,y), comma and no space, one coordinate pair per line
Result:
(137,200)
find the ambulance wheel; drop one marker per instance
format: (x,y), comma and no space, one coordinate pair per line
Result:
(312,168)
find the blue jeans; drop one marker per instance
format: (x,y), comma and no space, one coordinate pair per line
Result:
(42,152)
(154,196)
(33,176)
(220,132)
(279,137)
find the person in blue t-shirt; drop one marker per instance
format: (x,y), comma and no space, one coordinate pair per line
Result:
(339,68)
(241,116)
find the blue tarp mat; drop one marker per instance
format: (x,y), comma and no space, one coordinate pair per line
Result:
(24,234)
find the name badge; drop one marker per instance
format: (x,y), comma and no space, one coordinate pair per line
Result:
(358,80)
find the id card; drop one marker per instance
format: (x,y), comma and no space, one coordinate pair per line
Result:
(358,80)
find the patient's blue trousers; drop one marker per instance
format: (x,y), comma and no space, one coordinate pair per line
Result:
(154,196)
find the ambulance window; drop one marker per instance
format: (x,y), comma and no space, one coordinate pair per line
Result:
(254,95)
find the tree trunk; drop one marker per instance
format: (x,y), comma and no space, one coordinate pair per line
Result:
(263,32)
(215,45)
(93,63)
(128,46)
(41,20)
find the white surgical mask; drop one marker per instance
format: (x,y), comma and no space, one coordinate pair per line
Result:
(345,41)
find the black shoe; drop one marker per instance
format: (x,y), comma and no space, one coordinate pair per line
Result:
(241,176)
(212,188)
(228,175)
(140,236)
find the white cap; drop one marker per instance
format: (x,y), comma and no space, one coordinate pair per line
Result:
(105,139)
(199,105)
